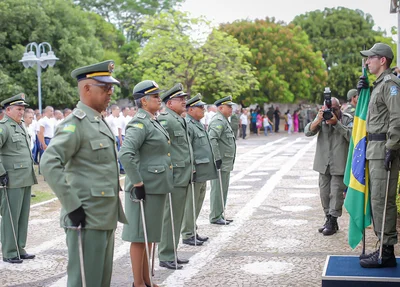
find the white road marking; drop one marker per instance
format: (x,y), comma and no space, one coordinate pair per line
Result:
(207,254)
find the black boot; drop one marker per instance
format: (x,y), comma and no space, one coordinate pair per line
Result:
(388,259)
(328,216)
(332,226)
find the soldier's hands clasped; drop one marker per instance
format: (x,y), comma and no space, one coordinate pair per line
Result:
(140,192)
(78,217)
(389,157)
(362,84)
(218,163)
(4,179)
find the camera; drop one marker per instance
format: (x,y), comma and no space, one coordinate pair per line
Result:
(327,113)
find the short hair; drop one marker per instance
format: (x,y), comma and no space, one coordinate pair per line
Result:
(138,102)
(113,107)
(66,110)
(124,108)
(48,108)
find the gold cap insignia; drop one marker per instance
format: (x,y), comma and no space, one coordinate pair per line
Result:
(111,67)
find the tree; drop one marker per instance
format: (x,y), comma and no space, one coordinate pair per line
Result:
(215,67)
(340,33)
(288,70)
(72,34)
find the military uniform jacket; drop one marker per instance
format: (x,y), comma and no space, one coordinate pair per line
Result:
(15,154)
(234,122)
(181,150)
(332,145)
(350,110)
(222,141)
(146,155)
(80,165)
(202,150)
(384,115)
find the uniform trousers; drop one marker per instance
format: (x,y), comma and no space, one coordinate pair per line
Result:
(189,224)
(98,252)
(377,186)
(331,188)
(166,245)
(20,201)
(216,209)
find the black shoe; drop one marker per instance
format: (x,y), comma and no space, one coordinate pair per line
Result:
(201,238)
(27,256)
(328,217)
(332,227)
(33,195)
(183,261)
(191,241)
(122,172)
(170,265)
(133,284)
(365,256)
(388,259)
(13,260)
(229,220)
(221,222)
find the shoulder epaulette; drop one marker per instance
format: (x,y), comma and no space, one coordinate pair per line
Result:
(387,78)
(3,120)
(79,113)
(141,115)
(348,115)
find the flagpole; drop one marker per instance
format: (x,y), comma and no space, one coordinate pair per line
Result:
(363,236)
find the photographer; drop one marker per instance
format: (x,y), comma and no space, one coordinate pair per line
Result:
(334,131)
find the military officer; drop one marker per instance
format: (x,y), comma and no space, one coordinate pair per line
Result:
(234,122)
(16,176)
(383,122)
(352,98)
(182,162)
(146,157)
(204,165)
(224,148)
(80,165)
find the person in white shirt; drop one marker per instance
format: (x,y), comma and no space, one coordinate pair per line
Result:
(66,112)
(211,111)
(243,122)
(58,116)
(30,128)
(125,119)
(46,128)
(114,122)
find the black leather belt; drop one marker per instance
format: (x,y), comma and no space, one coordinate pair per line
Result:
(376,137)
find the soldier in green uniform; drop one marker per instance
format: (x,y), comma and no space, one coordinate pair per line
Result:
(235,122)
(383,122)
(182,162)
(352,98)
(81,167)
(224,148)
(204,165)
(16,177)
(330,161)
(146,157)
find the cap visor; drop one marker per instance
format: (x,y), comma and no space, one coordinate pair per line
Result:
(182,95)
(158,91)
(106,79)
(367,53)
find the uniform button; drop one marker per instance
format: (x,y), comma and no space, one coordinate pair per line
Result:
(101,145)
(170,167)
(21,165)
(102,193)
(169,142)
(169,154)
(155,170)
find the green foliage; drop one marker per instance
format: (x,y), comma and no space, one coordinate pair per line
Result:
(288,70)
(215,68)
(72,34)
(340,33)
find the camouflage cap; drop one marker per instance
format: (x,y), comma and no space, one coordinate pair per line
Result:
(100,72)
(145,88)
(224,101)
(352,93)
(175,91)
(17,100)
(195,101)
(379,49)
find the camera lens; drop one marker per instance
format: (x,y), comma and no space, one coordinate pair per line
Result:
(327,115)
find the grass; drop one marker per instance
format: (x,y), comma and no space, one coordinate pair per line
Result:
(41,196)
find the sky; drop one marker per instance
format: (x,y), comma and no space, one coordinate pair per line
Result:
(223,11)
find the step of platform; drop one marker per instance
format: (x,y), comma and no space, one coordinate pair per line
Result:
(345,271)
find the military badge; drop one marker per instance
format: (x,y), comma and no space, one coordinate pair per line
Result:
(138,125)
(393,90)
(69,128)
(111,67)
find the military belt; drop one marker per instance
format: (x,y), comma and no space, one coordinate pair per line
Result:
(376,137)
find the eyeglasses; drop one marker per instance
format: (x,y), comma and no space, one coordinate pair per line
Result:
(106,87)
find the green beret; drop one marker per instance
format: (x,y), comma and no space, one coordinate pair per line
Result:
(100,72)
(352,93)
(195,101)
(18,100)
(224,101)
(145,88)
(175,91)
(379,49)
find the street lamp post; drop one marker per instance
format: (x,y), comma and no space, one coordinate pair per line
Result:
(41,60)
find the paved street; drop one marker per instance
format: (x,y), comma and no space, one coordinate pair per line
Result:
(273,241)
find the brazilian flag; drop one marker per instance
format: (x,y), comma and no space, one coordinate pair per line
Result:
(358,199)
